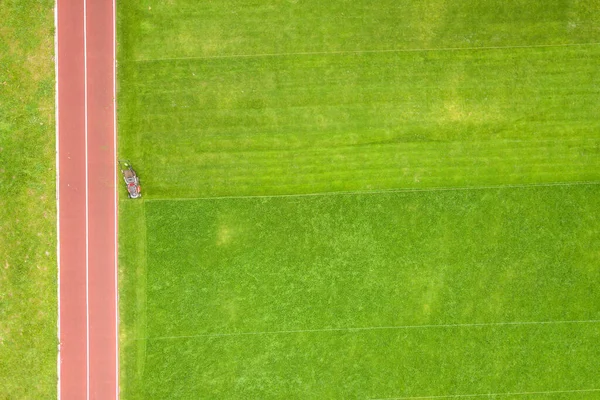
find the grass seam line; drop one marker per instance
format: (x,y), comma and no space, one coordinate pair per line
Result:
(374,328)
(384,191)
(456,396)
(342,52)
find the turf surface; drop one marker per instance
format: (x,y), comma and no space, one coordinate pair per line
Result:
(28,295)
(245,98)
(375,108)
(276,297)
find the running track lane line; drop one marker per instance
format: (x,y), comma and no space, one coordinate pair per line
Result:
(86,140)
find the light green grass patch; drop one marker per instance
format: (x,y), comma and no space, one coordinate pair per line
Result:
(132,288)
(28,296)
(305,124)
(186,28)
(283,98)
(223,273)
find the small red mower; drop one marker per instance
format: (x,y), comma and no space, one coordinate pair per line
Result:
(131,179)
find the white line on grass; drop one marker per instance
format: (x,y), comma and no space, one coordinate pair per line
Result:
(376,328)
(384,191)
(85,105)
(341,52)
(457,396)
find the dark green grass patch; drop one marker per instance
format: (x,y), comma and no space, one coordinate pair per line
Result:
(377,364)
(28,296)
(224,275)
(255,111)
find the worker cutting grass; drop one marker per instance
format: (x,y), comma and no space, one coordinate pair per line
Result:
(134,190)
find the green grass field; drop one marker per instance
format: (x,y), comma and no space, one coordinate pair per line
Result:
(462,257)
(262,297)
(249,112)
(28,295)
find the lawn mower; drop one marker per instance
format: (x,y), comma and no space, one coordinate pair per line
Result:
(131,179)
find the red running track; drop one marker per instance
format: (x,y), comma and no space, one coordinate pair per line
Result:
(86,163)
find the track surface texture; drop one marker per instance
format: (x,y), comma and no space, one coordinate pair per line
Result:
(87,221)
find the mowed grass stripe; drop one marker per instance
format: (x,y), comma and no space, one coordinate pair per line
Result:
(377,192)
(219,268)
(186,28)
(377,364)
(370,328)
(553,394)
(289,81)
(363,122)
(132,289)
(342,52)
(330,262)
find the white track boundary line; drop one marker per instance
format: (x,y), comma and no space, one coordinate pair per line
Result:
(116,271)
(457,396)
(342,52)
(87,211)
(386,191)
(57,190)
(377,328)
